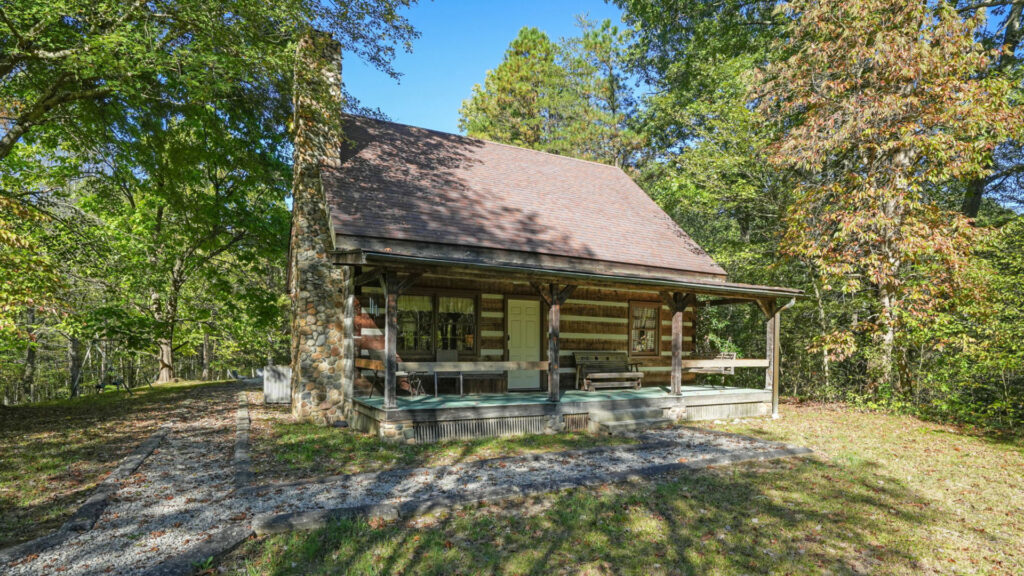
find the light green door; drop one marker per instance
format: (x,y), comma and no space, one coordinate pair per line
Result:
(524,342)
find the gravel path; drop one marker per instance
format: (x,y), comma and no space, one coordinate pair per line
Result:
(179,496)
(183,499)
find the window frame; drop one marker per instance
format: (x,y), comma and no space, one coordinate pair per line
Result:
(434,294)
(648,304)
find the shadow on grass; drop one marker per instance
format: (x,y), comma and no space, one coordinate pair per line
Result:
(54,453)
(803,516)
(297,450)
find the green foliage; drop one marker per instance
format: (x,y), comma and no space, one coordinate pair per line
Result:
(710,166)
(144,165)
(569,98)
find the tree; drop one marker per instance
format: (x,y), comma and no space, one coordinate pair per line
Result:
(71,70)
(522,99)
(570,98)
(882,106)
(602,128)
(74,62)
(1001,30)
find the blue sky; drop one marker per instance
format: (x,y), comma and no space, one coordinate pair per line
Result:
(460,40)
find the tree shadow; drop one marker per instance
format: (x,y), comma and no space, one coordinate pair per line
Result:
(54,453)
(778,517)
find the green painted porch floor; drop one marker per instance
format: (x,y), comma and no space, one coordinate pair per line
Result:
(430,402)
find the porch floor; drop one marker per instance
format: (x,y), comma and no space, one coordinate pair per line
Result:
(452,401)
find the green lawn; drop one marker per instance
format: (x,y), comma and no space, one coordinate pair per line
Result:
(885,495)
(283,448)
(52,454)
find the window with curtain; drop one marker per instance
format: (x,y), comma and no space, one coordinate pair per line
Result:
(415,324)
(456,323)
(644,328)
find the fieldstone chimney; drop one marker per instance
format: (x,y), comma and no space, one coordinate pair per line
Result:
(319,290)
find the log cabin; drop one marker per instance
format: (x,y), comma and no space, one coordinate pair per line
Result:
(445,287)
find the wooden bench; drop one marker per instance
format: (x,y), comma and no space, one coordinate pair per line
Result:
(606,370)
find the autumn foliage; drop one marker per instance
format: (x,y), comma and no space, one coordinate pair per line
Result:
(881,103)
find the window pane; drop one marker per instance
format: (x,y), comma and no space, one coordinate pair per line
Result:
(415,316)
(643,337)
(456,323)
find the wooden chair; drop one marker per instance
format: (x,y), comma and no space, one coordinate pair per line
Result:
(606,370)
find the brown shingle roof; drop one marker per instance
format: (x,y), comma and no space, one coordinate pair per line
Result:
(405,183)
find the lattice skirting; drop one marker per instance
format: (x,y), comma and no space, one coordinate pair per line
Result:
(727,411)
(482,427)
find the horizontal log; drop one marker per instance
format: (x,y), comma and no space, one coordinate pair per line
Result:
(492,305)
(593,327)
(491,343)
(470,366)
(593,345)
(495,324)
(571,308)
(369,364)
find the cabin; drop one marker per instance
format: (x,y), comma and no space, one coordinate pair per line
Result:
(449,287)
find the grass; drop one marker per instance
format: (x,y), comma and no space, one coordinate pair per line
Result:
(285,449)
(52,454)
(884,495)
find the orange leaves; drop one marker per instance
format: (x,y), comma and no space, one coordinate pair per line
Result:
(883,102)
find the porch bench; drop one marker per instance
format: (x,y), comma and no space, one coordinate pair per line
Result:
(606,370)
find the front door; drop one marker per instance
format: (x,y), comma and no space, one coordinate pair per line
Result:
(523,342)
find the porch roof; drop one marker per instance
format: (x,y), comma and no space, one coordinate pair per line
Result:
(505,264)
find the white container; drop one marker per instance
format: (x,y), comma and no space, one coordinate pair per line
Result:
(277,384)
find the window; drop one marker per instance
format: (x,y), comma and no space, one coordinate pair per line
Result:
(644,328)
(456,323)
(431,322)
(415,324)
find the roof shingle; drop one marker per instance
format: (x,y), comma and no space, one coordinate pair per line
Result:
(405,183)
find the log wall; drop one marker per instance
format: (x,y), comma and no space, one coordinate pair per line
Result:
(593,319)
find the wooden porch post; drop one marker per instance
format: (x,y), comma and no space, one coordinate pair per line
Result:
(677,352)
(771,374)
(554,319)
(390,281)
(554,297)
(677,303)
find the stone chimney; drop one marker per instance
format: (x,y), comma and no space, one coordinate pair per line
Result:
(319,290)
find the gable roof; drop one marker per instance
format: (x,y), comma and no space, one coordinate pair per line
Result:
(406,186)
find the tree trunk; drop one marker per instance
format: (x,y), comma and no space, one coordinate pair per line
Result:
(972,197)
(881,367)
(165,356)
(166,312)
(823,323)
(74,365)
(28,375)
(104,365)
(207,350)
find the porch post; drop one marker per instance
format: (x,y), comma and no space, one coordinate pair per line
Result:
(390,281)
(553,296)
(771,374)
(554,319)
(677,303)
(677,351)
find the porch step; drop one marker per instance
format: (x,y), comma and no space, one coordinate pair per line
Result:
(620,426)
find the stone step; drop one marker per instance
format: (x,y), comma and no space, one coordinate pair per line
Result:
(625,414)
(620,426)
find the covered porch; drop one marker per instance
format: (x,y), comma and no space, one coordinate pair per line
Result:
(404,402)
